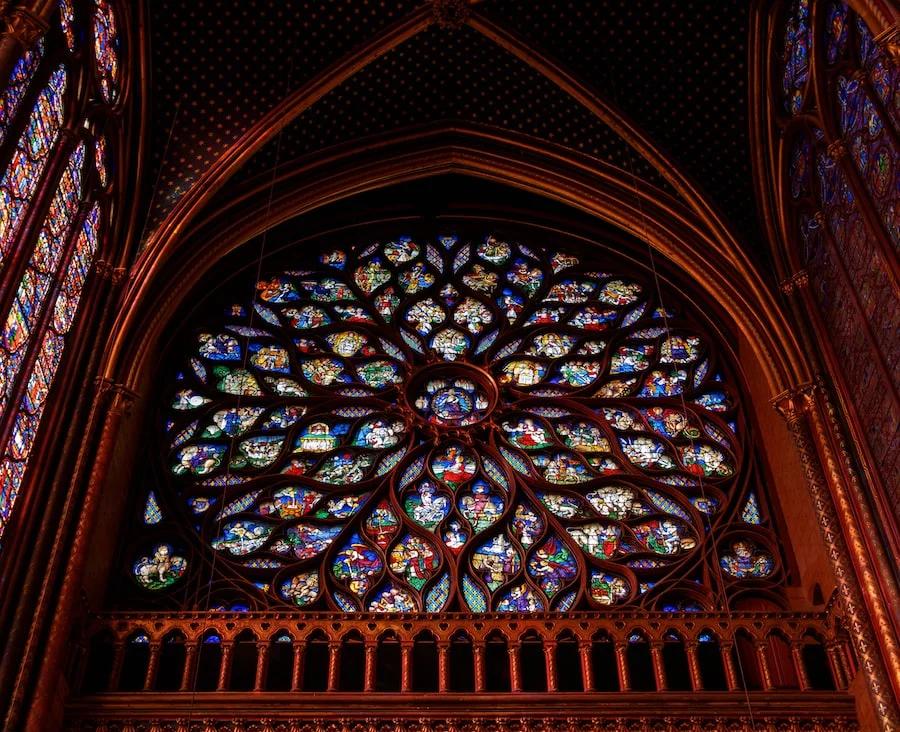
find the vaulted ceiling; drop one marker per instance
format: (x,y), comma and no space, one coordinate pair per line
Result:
(678,70)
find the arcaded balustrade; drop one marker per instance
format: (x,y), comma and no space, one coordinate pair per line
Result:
(460,653)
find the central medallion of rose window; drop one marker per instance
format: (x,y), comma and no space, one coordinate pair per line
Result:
(453,396)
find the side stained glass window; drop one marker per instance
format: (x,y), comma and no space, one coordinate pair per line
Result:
(31,409)
(477,425)
(797,41)
(21,178)
(844,188)
(67,22)
(106,49)
(18,85)
(39,276)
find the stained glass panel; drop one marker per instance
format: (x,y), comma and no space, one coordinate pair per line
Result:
(22,175)
(31,408)
(106,49)
(418,473)
(18,85)
(40,275)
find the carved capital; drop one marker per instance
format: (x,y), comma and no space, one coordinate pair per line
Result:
(792,404)
(106,271)
(450,14)
(837,149)
(121,397)
(795,282)
(24,26)
(889,42)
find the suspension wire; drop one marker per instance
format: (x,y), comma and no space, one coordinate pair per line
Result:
(162,162)
(724,599)
(207,613)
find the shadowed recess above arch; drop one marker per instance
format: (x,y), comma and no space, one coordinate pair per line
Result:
(451,75)
(679,73)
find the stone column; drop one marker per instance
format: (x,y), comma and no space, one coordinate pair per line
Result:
(692,648)
(225,666)
(622,665)
(115,400)
(297,669)
(799,666)
(116,671)
(762,658)
(443,666)
(334,665)
(515,667)
(152,667)
(585,650)
(406,665)
(190,662)
(550,656)
(794,407)
(659,666)
(478,653)
(371,666)
(262,665)
(731,676)
(838,669)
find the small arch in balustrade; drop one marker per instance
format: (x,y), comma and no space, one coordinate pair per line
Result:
(462,662)
(244,656)
(172,657)
(424,662)
(209,661)
(496,663)
(640,662)
(280,667)
(352,670)
(675,662)
(388,663)
(604,665)
(135,661)
(780,660)
(315,662)
(746,661)
(98,667)
(532,662)
(569,675)
(816,663)
(709,659)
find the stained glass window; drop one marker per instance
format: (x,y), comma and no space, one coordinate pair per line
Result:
(67,22)
(454,424)
(797,41)
(12,96)
(22,175)
(845,194)
(106,49)
(31,407)
(39,275)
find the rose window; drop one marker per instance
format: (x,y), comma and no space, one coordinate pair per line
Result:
(421,426)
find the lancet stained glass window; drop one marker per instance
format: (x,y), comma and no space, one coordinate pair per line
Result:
(106,49)
(473,424)
(845,193)
(18,85)
(22,175)
(31,409)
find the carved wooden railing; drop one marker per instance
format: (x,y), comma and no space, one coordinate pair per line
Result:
(584,671)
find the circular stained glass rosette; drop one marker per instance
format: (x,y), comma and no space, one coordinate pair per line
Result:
(417,426)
